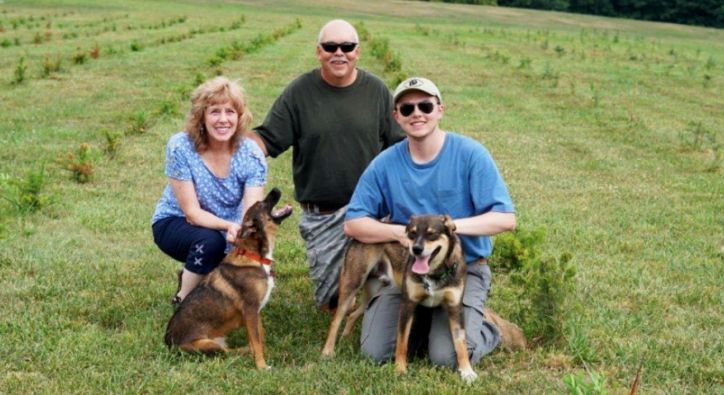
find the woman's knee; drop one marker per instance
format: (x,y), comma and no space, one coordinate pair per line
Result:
(206,251)
(216,242)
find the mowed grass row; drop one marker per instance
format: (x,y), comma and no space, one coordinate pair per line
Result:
(601,127)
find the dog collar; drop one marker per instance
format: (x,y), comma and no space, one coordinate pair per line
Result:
(255,257)
(446,274)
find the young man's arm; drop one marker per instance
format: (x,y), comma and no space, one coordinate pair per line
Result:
(370,230)
(486,224)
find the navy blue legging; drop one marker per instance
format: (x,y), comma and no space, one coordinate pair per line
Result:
(200,249)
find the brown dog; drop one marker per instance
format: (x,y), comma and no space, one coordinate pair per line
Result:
(430,273)
(234,293)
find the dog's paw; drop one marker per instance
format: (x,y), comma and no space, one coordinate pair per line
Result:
(243,350)
(327,354)
(468,376)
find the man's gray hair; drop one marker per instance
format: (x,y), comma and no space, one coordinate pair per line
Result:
(337,22)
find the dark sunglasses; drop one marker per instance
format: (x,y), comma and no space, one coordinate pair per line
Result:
(332,47)
(407,109)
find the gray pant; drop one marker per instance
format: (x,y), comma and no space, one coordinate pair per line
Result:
(326,245)
(379,325)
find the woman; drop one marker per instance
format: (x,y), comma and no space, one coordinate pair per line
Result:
(214,175)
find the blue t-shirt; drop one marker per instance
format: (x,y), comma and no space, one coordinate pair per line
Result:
(219,196)
(462,181)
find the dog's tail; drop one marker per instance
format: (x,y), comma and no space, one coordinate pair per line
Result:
(512,337)
(171,337)
(168,338)
(176,301)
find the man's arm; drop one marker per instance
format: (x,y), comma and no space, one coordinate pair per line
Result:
(253,136)
(486,224)
(370,230)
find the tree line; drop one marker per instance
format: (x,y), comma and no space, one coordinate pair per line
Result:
(690,12)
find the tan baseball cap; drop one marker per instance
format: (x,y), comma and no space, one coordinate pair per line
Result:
(416,84)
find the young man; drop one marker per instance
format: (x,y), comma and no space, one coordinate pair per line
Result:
(431,172)
(336,118)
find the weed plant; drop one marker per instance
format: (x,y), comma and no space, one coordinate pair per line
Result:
(80,56)
(113,142)
(168,107)
(236,49)
(80,164)
(591,383)
(513,250)
(140,122)
(362,32)
(543,286)
(95,52)
(697,137)
(51,66)
(525,63)
(20,69)
(26,194)
(380,49)
(425,31)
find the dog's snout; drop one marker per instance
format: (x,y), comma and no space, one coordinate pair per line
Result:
(417,249)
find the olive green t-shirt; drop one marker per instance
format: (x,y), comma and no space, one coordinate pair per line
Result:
(334,133)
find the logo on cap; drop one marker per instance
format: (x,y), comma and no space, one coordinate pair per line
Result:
(413,82)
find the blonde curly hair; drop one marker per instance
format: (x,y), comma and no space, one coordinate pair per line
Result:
(216,91)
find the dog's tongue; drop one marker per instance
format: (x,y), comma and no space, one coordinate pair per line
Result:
(421,265)
(282,211)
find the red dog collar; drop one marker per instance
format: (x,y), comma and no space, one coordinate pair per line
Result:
(255,257)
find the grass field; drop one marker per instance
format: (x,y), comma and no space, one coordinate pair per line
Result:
(607,131)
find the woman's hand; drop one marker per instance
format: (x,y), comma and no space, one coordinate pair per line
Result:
(231,232)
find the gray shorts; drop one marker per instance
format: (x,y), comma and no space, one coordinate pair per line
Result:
(431,330)
(326,246)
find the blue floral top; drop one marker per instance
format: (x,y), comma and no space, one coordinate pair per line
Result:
(219,196)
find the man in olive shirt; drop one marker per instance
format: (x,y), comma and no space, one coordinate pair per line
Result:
(337,118)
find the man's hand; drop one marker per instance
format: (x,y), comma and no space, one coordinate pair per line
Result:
(401,236)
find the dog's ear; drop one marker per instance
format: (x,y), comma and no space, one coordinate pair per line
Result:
(247,229)
(449,223)
(411,224)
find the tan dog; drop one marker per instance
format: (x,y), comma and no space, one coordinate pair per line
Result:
(430,273)
(234,293)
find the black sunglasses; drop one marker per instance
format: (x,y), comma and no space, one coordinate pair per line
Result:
(406,109)
(332,47)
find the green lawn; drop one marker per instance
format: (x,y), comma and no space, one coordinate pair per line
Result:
(608,132)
